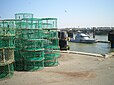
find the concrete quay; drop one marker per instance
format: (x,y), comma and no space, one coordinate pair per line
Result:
(73,69)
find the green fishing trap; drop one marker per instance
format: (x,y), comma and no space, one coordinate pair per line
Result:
(6,71)
(32,44)
(29,33)
(29,23)
(29,59)
(51,57)
(19,61)
(7,32)
(19,65)
(50,34)
(6,56)
(33,65)
(26,65)
(51,62)
(23,15)
(49,23)
(7,42)
(34,60)
(33,55)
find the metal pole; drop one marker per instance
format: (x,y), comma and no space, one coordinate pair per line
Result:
(94,32)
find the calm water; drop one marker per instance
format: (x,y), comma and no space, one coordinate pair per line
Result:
(100,48)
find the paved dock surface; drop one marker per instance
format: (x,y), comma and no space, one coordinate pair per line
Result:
(74,69)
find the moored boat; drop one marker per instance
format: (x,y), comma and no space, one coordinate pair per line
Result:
(82,38)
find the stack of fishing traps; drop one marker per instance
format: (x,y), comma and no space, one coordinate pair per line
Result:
(7,45)
(51,44)
(28,44)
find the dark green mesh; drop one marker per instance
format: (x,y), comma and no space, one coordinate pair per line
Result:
(35,41)
(6,71)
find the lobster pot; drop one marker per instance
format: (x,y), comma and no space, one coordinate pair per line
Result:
(34,65)
(51,58)
(29,23)
(6,56)
(33,55)
(32,44)
(6,71)
(33,60)
(55,44)
(51,61)
(18,44)
(7,42)
(19,65)
(4,31)
(29,33)
(49,22)
(17,55)
(29,64)
(51,46)
(23,15)
(29,60)
(49,34)
(19,61)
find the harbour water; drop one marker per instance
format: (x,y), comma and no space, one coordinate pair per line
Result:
(99,48)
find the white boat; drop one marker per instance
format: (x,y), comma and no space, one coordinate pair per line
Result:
(82,38)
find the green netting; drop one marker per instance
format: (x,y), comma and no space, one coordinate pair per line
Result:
(23,15)
(18,44)
(33,65)
(49,23)
(29,33)
(6,56)
(26,65)
(52,44)
(51,53)
(51,62)
(6,71)
(29,60)
(18,56)
(48,34)
(32,44)
(55,42)
(38,56)
(29,23)
(51,57)
(7,42)
(7,31)
(49,45)
(31,36)
(19,65)
(18,24)
(9,23)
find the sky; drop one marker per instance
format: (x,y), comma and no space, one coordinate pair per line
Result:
(70,13)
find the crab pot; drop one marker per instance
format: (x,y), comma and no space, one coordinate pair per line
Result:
(33,65)
(32,44)
(7,42)
(51,59)
(6,71)
(33,60)
(29,33)
(19,65)
(7,32)
(23,15)
(6,56)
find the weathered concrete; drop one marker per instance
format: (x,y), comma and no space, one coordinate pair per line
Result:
(74,69)
(83,53)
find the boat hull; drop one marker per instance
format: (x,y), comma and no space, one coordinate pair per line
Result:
(83,41)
